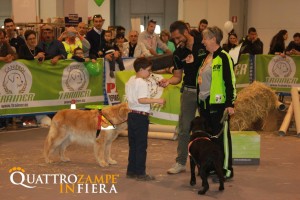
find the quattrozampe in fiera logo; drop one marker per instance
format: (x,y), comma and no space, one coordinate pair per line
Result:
(68,183)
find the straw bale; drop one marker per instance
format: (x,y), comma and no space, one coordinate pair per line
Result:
(252,106)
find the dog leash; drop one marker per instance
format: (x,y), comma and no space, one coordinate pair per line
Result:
(99,124)
(223,121)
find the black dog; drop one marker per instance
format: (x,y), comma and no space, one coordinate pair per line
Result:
(205,154)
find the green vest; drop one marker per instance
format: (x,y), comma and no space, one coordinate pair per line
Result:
(217,90)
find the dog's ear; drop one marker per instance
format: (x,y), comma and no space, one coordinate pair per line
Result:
(11,77)
(123,111)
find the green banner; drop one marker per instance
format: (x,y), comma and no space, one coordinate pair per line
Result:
(167,114)
(242,72)
(32,87)
(280,73)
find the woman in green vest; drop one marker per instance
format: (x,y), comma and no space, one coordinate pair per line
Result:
(216,92)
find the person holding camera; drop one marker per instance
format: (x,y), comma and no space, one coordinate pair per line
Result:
(72,40)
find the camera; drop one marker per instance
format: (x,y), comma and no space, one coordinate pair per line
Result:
(71,34)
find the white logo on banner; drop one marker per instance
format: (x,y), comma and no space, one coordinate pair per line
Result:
(75,77)
(281,72)
(15,78)
(282,67)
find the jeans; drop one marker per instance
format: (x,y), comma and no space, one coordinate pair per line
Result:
(138,126)
(188,109)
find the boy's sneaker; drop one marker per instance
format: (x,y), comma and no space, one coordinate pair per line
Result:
(131,176)
(145,177)
(177,168)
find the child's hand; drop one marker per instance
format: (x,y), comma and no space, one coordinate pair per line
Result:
(100,53)
(116,54)
(161,101)
(87,60)
(94,61)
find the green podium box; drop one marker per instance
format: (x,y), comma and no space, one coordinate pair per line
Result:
(245,147)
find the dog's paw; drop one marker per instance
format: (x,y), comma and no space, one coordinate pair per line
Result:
(65,159)
(221,188)
(193,182)
(112,162)
(48,161)
(203,191)
(103,164)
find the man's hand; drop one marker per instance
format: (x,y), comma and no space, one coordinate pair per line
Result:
(230,110)
(54,60)
(163,83)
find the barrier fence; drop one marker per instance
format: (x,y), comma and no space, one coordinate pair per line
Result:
(28,87)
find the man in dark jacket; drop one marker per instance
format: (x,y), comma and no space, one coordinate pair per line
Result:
(96,37)
(251,43)
(14,39)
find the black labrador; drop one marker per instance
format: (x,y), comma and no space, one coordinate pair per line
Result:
(204,154)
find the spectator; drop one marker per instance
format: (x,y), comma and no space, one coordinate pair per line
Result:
(112,53)
(96,37)
(201,26)
(121,31)
(7,54)
(54,49)
(251,43)
(82,30)
(14,40)
(133,48)
(152,40)
(232,41)
(165,38)
(119,41)
(29,50)
(294,46)
(72,40)
(277,45)
(79,55)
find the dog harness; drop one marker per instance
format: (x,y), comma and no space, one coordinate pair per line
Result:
(190,144)
(101,118)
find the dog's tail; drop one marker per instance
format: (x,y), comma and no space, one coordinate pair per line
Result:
(48,144)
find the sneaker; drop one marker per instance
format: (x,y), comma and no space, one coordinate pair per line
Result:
(226,179)
(145,177)
(177,168)
(131,176)
(111,74)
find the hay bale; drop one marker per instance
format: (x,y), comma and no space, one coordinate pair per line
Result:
(252,106)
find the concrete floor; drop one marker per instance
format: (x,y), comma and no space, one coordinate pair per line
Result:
(277,177)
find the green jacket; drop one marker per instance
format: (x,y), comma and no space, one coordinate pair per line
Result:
(222,90)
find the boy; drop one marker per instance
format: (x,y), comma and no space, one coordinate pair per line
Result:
(112,53)
(137,94)
(78,55)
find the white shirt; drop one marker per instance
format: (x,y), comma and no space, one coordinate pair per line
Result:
(140,50)
(137,88)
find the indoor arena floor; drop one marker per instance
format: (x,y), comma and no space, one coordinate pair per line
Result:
(276,177)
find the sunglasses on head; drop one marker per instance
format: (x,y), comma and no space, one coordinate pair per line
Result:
(98,16)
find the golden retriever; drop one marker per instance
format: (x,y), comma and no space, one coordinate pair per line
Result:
(80,126)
